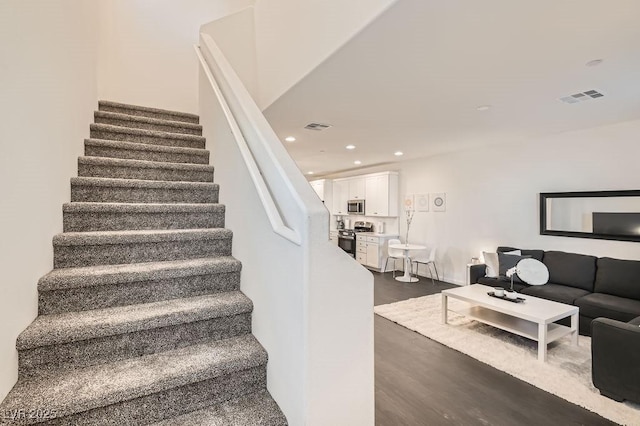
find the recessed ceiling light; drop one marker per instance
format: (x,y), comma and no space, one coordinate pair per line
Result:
(309,173)
(290,139)
(398,153)
(350,147)
(483,107)
(594,62)
(357,162)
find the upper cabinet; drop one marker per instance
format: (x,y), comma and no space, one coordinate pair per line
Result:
(378,190)
(340,197)
(381,194)
(324,189)
(357,189)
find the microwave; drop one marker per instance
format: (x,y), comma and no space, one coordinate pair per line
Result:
(355,206)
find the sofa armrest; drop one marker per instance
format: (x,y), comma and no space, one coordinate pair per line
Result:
(615,351)
(476,271)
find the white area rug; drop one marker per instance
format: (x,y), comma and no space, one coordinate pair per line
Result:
(567,372)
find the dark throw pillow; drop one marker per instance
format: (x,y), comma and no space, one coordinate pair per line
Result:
(506,262)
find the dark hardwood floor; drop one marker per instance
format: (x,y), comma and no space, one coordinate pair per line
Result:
(422,382)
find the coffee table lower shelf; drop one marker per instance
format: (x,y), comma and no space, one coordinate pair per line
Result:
(519,326)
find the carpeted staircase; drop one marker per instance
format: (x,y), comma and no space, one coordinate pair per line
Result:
(142,321)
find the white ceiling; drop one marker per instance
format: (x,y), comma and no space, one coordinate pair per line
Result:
(412,80)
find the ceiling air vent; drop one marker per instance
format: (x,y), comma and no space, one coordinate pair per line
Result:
(317,126)
(581,97)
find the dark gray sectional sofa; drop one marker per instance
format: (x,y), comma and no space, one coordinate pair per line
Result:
(603,288)
(600,287)
(615,358)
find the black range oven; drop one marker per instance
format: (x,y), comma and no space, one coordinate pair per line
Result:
(347,241)
(347,237)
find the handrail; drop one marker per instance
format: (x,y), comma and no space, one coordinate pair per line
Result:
(277,223)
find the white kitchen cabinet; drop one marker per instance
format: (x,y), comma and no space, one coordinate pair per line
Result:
(340,197)
(376,193)
(381,194)
(333,237)
(378,190)
(357,188)
(373,255)
(361,249)
(371,249)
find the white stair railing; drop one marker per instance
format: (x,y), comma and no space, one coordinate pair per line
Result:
(276,220)
(313,304)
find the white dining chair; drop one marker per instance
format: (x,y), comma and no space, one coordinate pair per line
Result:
(394,254)
(427,258)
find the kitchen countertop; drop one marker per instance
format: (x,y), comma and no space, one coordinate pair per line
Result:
(372,234)
(375,234)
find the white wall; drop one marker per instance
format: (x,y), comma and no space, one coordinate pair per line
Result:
(293,37)
(49,90)
(146,54)
(492,193)
(235,35)
(264,255)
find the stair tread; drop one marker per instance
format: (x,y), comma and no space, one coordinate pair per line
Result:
(144,132)
(68,392)
(139,236)
(144,147)
(253,409)
(149,109)
(90,276)
(81,206)
(147,120)
(74,326)
(140,183)
(143,164)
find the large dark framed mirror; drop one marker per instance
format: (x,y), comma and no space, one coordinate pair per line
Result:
(606,215)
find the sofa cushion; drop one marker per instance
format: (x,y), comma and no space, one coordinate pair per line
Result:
(536,254)
(618,278)
(605,305)
(571,269)
(497,282)
(507,261)
(555,292)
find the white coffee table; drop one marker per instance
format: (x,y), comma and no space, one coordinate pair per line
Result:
(534,318)
(407,278)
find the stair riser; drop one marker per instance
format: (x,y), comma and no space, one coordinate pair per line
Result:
(94,170)
(142,195)
(122,294)
(173,402)
(149,126)
(149,114)
(99,221)
(130,154)
(114,348)
(147,139)
(112,254)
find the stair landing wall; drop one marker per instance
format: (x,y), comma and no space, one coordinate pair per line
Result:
(50,60)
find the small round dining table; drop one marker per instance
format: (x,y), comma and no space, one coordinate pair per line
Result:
(406,248)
